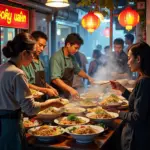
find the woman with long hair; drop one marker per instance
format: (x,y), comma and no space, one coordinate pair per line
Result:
(136,132)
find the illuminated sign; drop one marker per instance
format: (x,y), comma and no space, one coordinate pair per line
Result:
(14,17)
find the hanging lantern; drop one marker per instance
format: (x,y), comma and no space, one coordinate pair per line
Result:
(99,15)
(106,32)
(128,18)
(90,22)
(57,3)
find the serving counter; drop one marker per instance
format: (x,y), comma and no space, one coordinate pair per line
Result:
(108,140)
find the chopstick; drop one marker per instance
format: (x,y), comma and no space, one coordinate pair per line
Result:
(104,83)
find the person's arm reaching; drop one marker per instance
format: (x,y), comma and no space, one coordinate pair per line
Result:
(66,87)
(48,91)
(84,75)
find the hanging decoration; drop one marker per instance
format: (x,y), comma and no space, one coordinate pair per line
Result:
(90,22)
(99,15)
(110,4)
(97,11)
(128,18)
(106,32)
(57,3)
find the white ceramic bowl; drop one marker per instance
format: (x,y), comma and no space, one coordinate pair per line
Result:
(57,121)
(47,137)
(85,138)
(99,120)
(74,110)
(50,116)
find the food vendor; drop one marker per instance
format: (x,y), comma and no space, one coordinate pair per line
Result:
(64,66)
(35,71)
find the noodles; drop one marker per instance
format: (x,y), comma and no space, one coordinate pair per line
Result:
(87,102)
(83,130)
(100,113)
(50,110)
(28,123)
(71,120)
(46,130)
(74,110)
(112,99)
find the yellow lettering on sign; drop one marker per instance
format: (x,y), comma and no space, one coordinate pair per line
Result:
(6,15)
(20,17)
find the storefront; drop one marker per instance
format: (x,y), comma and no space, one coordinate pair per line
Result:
(12,19)
(63,29)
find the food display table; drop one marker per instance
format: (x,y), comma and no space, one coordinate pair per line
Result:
(109,139)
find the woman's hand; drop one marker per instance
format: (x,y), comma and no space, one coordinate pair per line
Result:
(117,86)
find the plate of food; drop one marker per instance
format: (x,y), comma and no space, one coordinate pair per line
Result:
(74,104)
(101,115)
(46,132)
(50,113)
(124,105)
(64,101)
(71,120)
(74,110)
(29,123)
(84,133)
(102,82)
(111,101)
(36,93)
(87,103)
(92,95)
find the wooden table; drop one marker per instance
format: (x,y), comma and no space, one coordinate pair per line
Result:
(110,139)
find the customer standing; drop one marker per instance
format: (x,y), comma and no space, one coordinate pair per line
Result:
(120,69)
(15,95)
(129,39)
(136,132)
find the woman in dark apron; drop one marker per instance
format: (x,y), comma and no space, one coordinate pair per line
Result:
(11,122)
(15,95)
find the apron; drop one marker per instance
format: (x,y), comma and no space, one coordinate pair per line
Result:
(67,78)
(12,133)
(39,76)
(39,80)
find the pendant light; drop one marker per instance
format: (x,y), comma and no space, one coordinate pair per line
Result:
(57,3)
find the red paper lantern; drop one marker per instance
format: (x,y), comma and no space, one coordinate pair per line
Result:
(106,32)
(90,22)
(128,18)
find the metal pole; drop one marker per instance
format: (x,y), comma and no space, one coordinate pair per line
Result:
(111,29)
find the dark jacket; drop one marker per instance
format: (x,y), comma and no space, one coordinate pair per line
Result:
(121,61)
(136,133)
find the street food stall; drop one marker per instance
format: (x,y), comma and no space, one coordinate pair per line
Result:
(89,123)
